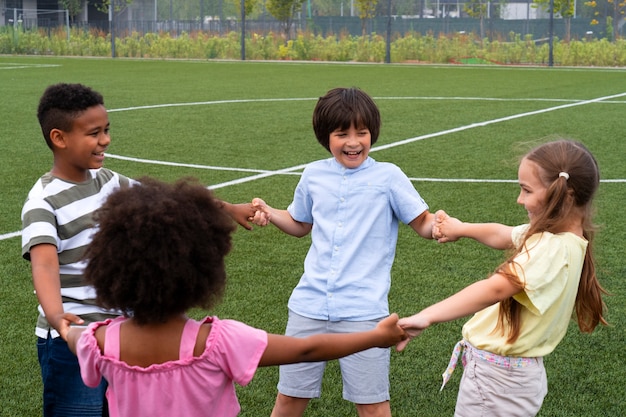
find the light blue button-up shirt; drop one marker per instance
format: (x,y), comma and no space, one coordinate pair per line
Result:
(355,214)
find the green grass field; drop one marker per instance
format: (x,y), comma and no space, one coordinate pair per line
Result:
(245,129)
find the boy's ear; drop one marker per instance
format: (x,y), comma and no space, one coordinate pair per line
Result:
(57,138)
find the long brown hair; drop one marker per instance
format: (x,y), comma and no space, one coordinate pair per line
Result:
(571,177)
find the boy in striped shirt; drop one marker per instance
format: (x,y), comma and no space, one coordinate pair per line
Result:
(57,225)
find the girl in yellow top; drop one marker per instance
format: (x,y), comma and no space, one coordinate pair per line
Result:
(522,311)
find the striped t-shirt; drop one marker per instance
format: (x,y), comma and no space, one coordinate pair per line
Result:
(60,213)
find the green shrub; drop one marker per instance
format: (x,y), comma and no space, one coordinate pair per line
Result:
(308,46)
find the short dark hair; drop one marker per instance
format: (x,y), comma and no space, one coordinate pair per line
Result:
(159,250)
(61,104)
(341,108)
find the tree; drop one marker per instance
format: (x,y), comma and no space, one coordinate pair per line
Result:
(616,9)
(367,10)
(565,8)
(118,5)
(284,11)
(477,9)
(73,7)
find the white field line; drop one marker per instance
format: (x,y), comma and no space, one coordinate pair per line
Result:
(267,100)
(265,173)
(21,66)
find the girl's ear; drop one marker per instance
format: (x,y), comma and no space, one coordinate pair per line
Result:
(57,138)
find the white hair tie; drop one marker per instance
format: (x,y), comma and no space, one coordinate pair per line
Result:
(564,175)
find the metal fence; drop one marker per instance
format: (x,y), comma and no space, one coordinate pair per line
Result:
(492,28)
(325,26)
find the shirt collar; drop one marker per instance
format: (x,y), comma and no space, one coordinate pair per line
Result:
(366,164)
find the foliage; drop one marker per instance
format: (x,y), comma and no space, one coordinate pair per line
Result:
(477,9)
(283,11)
(367,10)
(564,8)
(117,5)
(615,16)
(306,46)
(73,7)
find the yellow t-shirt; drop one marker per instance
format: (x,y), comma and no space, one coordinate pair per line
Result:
(550,268)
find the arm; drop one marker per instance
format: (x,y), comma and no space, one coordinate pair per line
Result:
(47,283)
(280,218)
(72,335)
(423,225)
(242,213)
(494,235)
(469,300)
(320,347)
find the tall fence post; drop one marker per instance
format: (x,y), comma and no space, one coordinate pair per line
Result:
(243,30)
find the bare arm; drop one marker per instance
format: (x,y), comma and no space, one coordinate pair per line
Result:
(494,235)
(320,347)
(242,213)
(47,282)
(71,337)
(469,300)
(423,224)
(280,218)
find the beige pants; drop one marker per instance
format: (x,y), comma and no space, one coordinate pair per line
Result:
(489,390)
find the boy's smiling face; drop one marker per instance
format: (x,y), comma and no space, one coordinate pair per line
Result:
(351,146)
(82,148)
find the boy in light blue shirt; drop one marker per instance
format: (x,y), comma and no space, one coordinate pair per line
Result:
(351,205)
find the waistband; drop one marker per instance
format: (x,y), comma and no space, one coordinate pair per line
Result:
(498,360)
(503,361)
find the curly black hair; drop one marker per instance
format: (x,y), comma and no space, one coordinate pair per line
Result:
(61,103)
(159,250)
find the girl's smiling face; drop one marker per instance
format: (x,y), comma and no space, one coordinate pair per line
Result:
(532,191)
(351,146)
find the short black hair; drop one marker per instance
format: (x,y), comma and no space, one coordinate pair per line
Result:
(341,108)
(61,104)
(159,250)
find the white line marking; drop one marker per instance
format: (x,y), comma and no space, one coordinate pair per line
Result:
(10,235)
(432,135)
(20,66)
(177,164)
(262,100)
(290,170)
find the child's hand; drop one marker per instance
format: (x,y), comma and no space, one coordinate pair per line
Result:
(445,228)
(64,321)
(391,333)
(262,214)
(413,326)
(242,213)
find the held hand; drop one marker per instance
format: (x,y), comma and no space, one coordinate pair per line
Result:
(446,227)
(64,321)
(391,333)
(413,326)
(242,213)
(262,214)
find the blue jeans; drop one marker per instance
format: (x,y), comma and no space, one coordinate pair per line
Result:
(64,393)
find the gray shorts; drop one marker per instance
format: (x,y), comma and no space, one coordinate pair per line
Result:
(365,375)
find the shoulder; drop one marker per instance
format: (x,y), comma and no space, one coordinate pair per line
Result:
(387,169)
(106,181)
(518,233)
(228,329)
(46,186)
(553,249)
(92,339)
(325,165)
